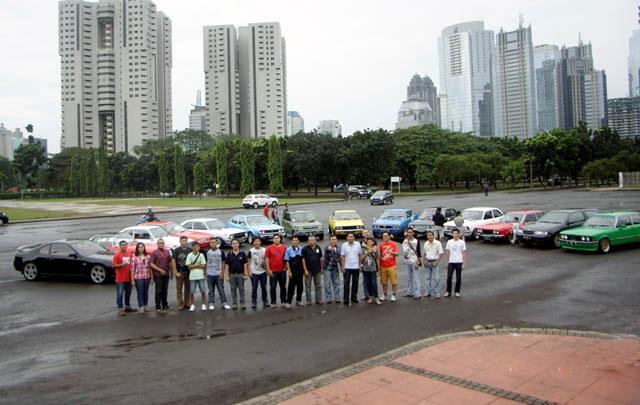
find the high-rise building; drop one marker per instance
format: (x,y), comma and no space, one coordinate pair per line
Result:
(545,61)
(263,80)
(221,77)
(295,123)
(465,75)
(415,112)
(624,116)
(634,64)
(6,142)
(330,127)
(423,89)
(595,99)
(115,73)
(513,80)
(198,115)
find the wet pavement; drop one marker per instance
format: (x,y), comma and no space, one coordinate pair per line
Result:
(62,341)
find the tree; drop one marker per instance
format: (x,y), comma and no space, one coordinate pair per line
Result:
(448,168)
(90,175)
(104,178)
(178,169)
(543,149)
(248,167)
(274,166)
(7,174)
(163,172)
(28,159)
(74,177)
(221,167)
(514,172)
(199,179)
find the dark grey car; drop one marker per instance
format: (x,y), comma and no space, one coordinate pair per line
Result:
(381,197)
(547,230)
(80,258)
(359,192)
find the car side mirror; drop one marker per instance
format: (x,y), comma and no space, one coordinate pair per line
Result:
(622,226)
(73,255)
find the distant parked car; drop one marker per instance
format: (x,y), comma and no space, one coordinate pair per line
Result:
(473,218)
(340,187)
(256,226)
(381,197)
(344,222)
(259,200)
(65,257)
(503,230)
(178,231)
(547,229)
(359,192)
(149,235)
(4,219)
(394,220)
(602,231)
(302,223)
(112,242)
(424,223)
(215,228)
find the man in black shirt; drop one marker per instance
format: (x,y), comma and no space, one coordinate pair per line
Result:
(312,263)
(181,271)
(438,224)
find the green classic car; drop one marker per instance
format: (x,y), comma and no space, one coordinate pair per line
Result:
(302,223)
(602,231)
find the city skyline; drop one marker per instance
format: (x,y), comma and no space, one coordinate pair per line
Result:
(321,63)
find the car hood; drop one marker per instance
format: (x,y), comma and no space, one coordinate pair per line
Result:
(588,231)
(467,222)
(194,235)
(349,222)
(544,226)
(266,227)
(377,197)
(499,226)
(388,221)
(102,256)
(306,223)
(423,222)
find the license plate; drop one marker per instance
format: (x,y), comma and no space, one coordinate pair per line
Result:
(527,237)
(486,237)
(573,243)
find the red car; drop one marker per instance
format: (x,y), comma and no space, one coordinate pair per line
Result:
(503,230)
(174,229)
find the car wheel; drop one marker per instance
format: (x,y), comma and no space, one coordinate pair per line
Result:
(391,201)
(604,245)
(98,274)
(220,242)
(255,205)
(475,235)
(30,272)
(556,240)
(273,204)
(510,237)
(250,238)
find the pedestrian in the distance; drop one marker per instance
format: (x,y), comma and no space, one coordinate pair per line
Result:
(276,270)
(121,263)
(457,259)
(141,276)
(331,265)
(237,273)
(514,230)
(350,263)
(197,262)
(266,211)
(370,260)
(312,263)
(215,276)
(486,188)
(411,255)
(432,256)
(161,266)
(286,209)
(181,271)
(459,223)
(258,267)
(274,214)
(438,224)
(388,266)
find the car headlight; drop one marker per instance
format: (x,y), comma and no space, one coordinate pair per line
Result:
(466,228)
(339,228)
(565,237)
(202,240)
(542,233)
(520,232)
(496,232)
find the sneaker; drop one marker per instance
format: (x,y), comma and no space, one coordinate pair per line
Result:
(329,302)
(211,307)
(273,305)
(235,306)
(226,306)
(141,310)
(192,308)
(447,295)
(384,298)
(437,296)
(417,297)
(166,309)
(393,298)
(337,301)
(204,307)
(355,300)
(254,306)
(299,304)
(121,312)
(370,300)
(318,302)
(244,306)
(457,295)
(427,295)
(378,302)
(129,309)
(146,309)
(158,309)
(288,306)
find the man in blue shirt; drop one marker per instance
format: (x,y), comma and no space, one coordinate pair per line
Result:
(293,260)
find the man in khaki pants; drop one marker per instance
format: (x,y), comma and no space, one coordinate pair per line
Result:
(181,271)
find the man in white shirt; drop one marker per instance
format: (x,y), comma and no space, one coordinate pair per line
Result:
(350,264)
(432,256)
(457,258)
(411,258)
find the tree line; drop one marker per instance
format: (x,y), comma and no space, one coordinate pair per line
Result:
(192,162)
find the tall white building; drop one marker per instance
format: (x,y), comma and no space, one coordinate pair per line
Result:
(634,64)
(595,99)
(545,63)
(330,127)
(465,78)
(222,80)
(116,61)
(263,80)
(513,79)
(295,123)
(6,142)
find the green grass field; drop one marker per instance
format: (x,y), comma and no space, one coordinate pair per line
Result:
(21,214)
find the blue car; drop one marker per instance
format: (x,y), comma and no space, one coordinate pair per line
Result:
(256,226)
(394,221)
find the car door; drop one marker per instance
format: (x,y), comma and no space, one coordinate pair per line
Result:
(63,259)
(497,214)
(199,226)
(635,219)
(188,225)
(487,218)
(42,260)
(576,219)
(529,218)
(450,213)
(624,230)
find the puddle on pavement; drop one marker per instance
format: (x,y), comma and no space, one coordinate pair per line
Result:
(134,343)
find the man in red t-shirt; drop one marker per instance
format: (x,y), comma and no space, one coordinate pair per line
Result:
(274,258)
(388,265)
(121,263)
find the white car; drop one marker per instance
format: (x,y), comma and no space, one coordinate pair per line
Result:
(149,235)
(473,218)
(216,229)
(259,200)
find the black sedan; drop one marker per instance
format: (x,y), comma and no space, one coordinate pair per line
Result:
(4,219)
(65,257)
(547,229)
(381,197)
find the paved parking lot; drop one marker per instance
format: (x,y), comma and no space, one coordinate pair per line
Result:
(63,342)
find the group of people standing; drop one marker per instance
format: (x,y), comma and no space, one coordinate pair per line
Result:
(306,268)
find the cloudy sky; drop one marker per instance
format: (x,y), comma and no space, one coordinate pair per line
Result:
(349,60)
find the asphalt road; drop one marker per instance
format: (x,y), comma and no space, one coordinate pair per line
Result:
(61,341)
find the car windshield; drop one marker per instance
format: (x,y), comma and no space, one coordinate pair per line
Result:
(86,247)
(379,193)
(428,213)
(511,216)
(258,220)
(157,232)
(174,228)
(122,236)
(604,221)
(302,217)
(214,224)
(393,214)
(554,218)
(472,215)
(338,216)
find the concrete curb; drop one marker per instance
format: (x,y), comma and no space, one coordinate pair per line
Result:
(387,358)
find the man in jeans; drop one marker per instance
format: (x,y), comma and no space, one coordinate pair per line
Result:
(237,273)
(432,256)
(274,258)
(295,269)
(457,258)
(181,271)
(258,269)
(350,264)
(121,263)
(331,264)
(215,278)
(160,265)
(312,263)
(411,257)
(197,277)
